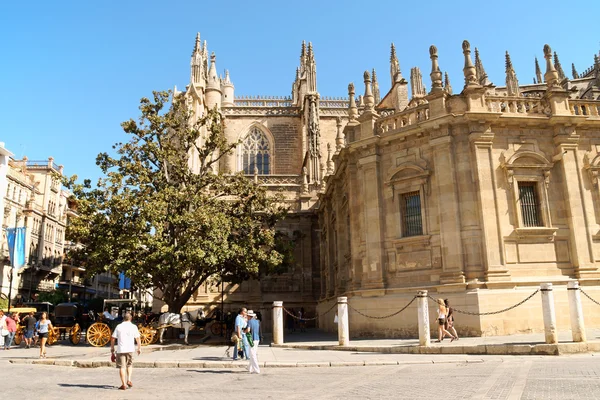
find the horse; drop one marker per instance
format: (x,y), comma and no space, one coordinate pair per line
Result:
(184,320)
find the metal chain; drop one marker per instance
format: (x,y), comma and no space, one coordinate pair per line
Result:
(491,312)
(384,316)
(309,319)
(588,296)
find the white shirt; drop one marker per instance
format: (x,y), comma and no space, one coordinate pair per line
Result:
(126,333)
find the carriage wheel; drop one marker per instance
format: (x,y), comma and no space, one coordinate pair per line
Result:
(19,335)
(155,335)
(98,335)
(75,334)
(53,335)
(146,335)
(215,328)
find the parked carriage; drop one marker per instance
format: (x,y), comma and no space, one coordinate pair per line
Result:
(67,320)
(99,333)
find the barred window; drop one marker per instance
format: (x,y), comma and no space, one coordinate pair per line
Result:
(530,205)
(412,223)
(256,153)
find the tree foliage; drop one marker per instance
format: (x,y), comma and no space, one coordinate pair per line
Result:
(169,226)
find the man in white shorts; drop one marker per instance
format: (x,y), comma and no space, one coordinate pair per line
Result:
(127,335)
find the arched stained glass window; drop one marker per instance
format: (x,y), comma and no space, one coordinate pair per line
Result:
(256,153)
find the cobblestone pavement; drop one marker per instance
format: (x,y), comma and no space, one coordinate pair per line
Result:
(576,377)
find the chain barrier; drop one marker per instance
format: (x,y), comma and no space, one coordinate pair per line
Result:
(491,312)
(309,319)
(384,316)
(588,296)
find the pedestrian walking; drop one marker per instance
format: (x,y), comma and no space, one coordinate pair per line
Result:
(29,322)
(442,332)
(11,326)
(237,337)
(254,326)
(3,329)
(43,327)
(450,319)
(301,320)
(127,336)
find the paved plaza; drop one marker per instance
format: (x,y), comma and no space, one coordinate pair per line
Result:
(532,377)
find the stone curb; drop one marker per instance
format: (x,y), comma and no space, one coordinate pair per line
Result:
(229,364)
(481,349)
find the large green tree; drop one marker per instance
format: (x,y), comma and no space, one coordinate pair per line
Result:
(168,227)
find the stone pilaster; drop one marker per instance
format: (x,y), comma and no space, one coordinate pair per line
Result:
(354,208)
(578,203)
(373,213)
(449,212)
(493,255)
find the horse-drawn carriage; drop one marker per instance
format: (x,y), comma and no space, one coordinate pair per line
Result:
(99,333)
(68,319)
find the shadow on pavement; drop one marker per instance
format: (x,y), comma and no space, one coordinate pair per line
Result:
(87,386)
(215,371)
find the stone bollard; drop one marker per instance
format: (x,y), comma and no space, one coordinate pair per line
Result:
(549,314)
(343,330)
(278,322)
(576,312)
(423,318)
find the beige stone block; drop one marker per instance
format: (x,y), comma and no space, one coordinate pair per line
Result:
(166,364)
(20,361)
(516,349)
(374,363)
(593,347)
(496,349)
(143,364)
(572,348)
(63,363)
(103,363)
(430,349)
(84,364)
(191,364)
(347,363)
(453,349)
(43,362)
(537,252)
(279,364)
(545,349)
(479,349)
(313,364)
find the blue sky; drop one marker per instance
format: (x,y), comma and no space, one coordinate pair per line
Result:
(72,71)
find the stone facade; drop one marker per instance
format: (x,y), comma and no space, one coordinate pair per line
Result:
(477,196)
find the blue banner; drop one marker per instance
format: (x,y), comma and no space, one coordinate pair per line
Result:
(16,246)
(124,282)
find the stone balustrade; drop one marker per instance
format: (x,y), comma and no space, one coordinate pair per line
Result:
(402,119)
(585,107)
(526,106)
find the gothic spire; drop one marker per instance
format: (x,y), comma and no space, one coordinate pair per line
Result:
(538,71)
(480,71)
(213,79)
(469,69)
(416,83)
(447,86)
(368,97)
(197,62)
(561,73)
(512,83)
(197,44)
(574,71)
(376,95)
(551,76)
(436,74)
(352,109)
(395,73)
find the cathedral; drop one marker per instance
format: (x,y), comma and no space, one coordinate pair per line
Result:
(476,195)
